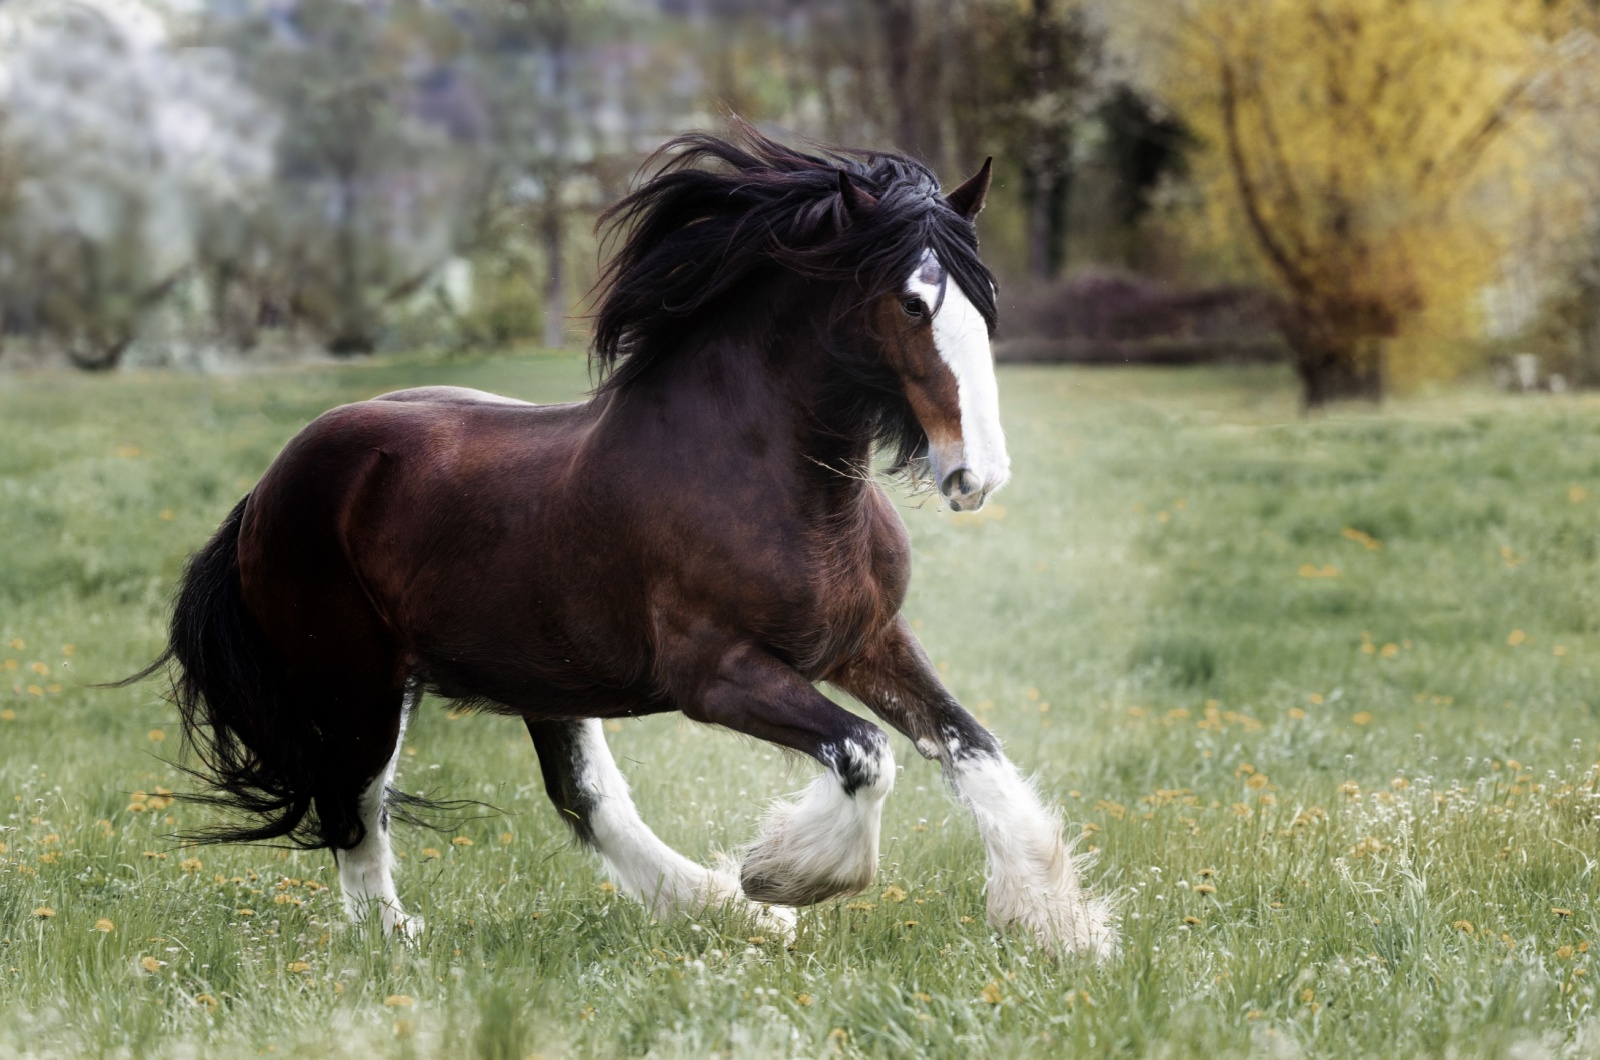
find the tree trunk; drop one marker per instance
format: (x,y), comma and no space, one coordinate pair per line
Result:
(553,231)
(1047,173)
(1335,364)
(898,22)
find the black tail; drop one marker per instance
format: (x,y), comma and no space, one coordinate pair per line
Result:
(259,750)
(256,746)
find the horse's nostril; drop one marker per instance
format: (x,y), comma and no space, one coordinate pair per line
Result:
(959,483)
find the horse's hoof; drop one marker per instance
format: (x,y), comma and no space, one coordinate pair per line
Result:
(780,888)
(402,926)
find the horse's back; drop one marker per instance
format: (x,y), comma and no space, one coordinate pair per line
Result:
(451,395)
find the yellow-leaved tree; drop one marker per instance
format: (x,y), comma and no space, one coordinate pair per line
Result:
(1369,151)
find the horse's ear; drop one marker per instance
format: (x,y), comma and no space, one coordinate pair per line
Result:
(967,200)
(856,201)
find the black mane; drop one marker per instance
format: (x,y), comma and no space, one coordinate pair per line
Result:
(718,212)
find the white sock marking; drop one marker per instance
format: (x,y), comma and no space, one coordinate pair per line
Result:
(1032,879)
(824,844)
(366,870)
(643,866)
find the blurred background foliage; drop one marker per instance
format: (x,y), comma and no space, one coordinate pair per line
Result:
(1383,192)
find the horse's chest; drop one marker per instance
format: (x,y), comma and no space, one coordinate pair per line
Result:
(859,583)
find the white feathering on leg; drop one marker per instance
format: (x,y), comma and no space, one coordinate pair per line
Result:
(366,870)
(825,843)
(1032,879)
(644,867)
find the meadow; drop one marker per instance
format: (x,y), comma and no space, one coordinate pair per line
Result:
(1319,693)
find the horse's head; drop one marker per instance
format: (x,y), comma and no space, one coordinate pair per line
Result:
(886,281)
(937,343)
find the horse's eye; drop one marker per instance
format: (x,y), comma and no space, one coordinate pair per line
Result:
(914,307)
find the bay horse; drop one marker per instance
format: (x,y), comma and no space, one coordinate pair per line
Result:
(703,534)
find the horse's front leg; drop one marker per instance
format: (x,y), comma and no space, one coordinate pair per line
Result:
(825,844)
(1032,880)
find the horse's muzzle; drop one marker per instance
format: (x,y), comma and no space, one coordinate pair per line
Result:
(963,490)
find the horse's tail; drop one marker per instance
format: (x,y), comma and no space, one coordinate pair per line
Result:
(256,745)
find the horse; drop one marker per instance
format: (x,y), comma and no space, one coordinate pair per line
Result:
(704,534)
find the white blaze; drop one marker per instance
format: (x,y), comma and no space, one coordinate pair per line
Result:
(962,339)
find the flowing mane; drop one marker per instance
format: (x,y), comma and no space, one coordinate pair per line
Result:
(718,212)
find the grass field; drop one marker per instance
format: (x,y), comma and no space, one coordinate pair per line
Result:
(1320,693)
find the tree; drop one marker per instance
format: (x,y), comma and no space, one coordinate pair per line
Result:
(1363,149)
(114,140)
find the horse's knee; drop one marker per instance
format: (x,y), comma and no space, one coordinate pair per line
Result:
(862,762)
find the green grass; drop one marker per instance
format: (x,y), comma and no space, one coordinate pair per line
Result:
(1391,789)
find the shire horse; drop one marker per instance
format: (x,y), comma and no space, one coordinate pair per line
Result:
(704,534)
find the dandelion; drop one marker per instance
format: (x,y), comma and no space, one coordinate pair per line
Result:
(44,912)
(757,940)
(991,994)
(1308,995)
(1558,651)
(1516,638)
(1361,717)
(104,925)
(1204,888)
(35,690)
(1257,782)
(295,967)
(803,1000)
(461,841)
(1564,953)
(8,715)
(1464,926)
(1193,921)
(429,853)
(207,1000)
(244,912)
(505,837)
(39,668)
(156,735)
(190,865)
(1399,783)
(1558,911)
(1297,714)
(68,650)
(894,894)
(399,1001)
(607,887)
(1207,873)
(17,644)
(150,964)
(1350,788)
(1577,494)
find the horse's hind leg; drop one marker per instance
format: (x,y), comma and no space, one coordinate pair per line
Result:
(592,797)
(1033,882)
(366,869)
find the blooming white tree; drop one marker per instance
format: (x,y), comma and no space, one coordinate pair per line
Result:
(115,143)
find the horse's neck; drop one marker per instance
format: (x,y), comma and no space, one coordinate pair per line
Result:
(770,381)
